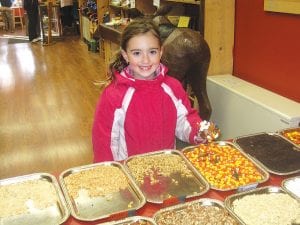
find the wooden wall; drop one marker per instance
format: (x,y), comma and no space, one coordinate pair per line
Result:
(219,33)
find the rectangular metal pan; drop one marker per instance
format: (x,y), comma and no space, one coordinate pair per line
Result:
(210,215)
(135,220)
(89,207)
(292,186)
(291,134)
(30,204)
(277,155)
(264,206)
(159,185)
(226,172)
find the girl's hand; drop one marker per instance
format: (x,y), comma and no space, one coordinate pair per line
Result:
(207,132)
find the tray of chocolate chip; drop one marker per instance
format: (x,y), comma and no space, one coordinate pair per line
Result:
(164,175)
(100,190)
(291,134)
(134,220)
(292,186)
(278,155)
(224,166)
(32,199)
(201,211)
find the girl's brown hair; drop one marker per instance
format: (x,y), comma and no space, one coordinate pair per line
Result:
(134,28)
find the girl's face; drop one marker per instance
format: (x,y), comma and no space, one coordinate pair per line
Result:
(143,54)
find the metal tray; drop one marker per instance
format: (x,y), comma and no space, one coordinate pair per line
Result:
(292,186)
(206,202)
(88,208)
(260,169)
(54,214)
(255,210)
(135,220)
(277,155)
(157,188)
(290,130)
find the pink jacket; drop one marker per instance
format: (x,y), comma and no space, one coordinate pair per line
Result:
(140,116)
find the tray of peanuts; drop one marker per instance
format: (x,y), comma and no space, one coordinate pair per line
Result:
(164,175)
(224,166)
(134,220)
(264,206)
(100,190)
(32,199)
(291,134)
(202,211)
(292,186)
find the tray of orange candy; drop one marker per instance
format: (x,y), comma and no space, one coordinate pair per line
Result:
(292,134)
(224,166)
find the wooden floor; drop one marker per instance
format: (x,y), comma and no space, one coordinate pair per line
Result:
(47,102)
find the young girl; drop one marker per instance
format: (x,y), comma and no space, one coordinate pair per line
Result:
(143,109)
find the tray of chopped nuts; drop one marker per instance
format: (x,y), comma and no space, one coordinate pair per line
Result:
(224,166)
(166,174)
(201,211)
(100,190)
(32,199)
(135,220)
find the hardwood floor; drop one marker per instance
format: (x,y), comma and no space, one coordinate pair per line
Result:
(47,102)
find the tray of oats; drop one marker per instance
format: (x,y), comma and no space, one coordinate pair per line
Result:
(166,174)
(224,166)
(100,190)
(32,199)
(278,155)
(135,220)
(201,212)
(291,134)
(292,186)
(264,206)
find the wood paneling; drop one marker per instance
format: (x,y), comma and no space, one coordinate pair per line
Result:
(219,33)
(47,102)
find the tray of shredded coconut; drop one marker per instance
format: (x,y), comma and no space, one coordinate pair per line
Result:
(201,212)
(264,206)
(167,174)
(32,199)
(100,190)
(292,186)
(134,220)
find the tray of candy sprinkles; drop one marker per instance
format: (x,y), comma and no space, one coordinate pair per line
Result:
(224,166)
(292,134)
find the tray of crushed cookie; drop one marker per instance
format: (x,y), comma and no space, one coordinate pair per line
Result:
(32,199)
(166,174)
(278,155)
(202,211)
(224,166)
(291,134)
(100,190)
(134,220)
(265,205)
